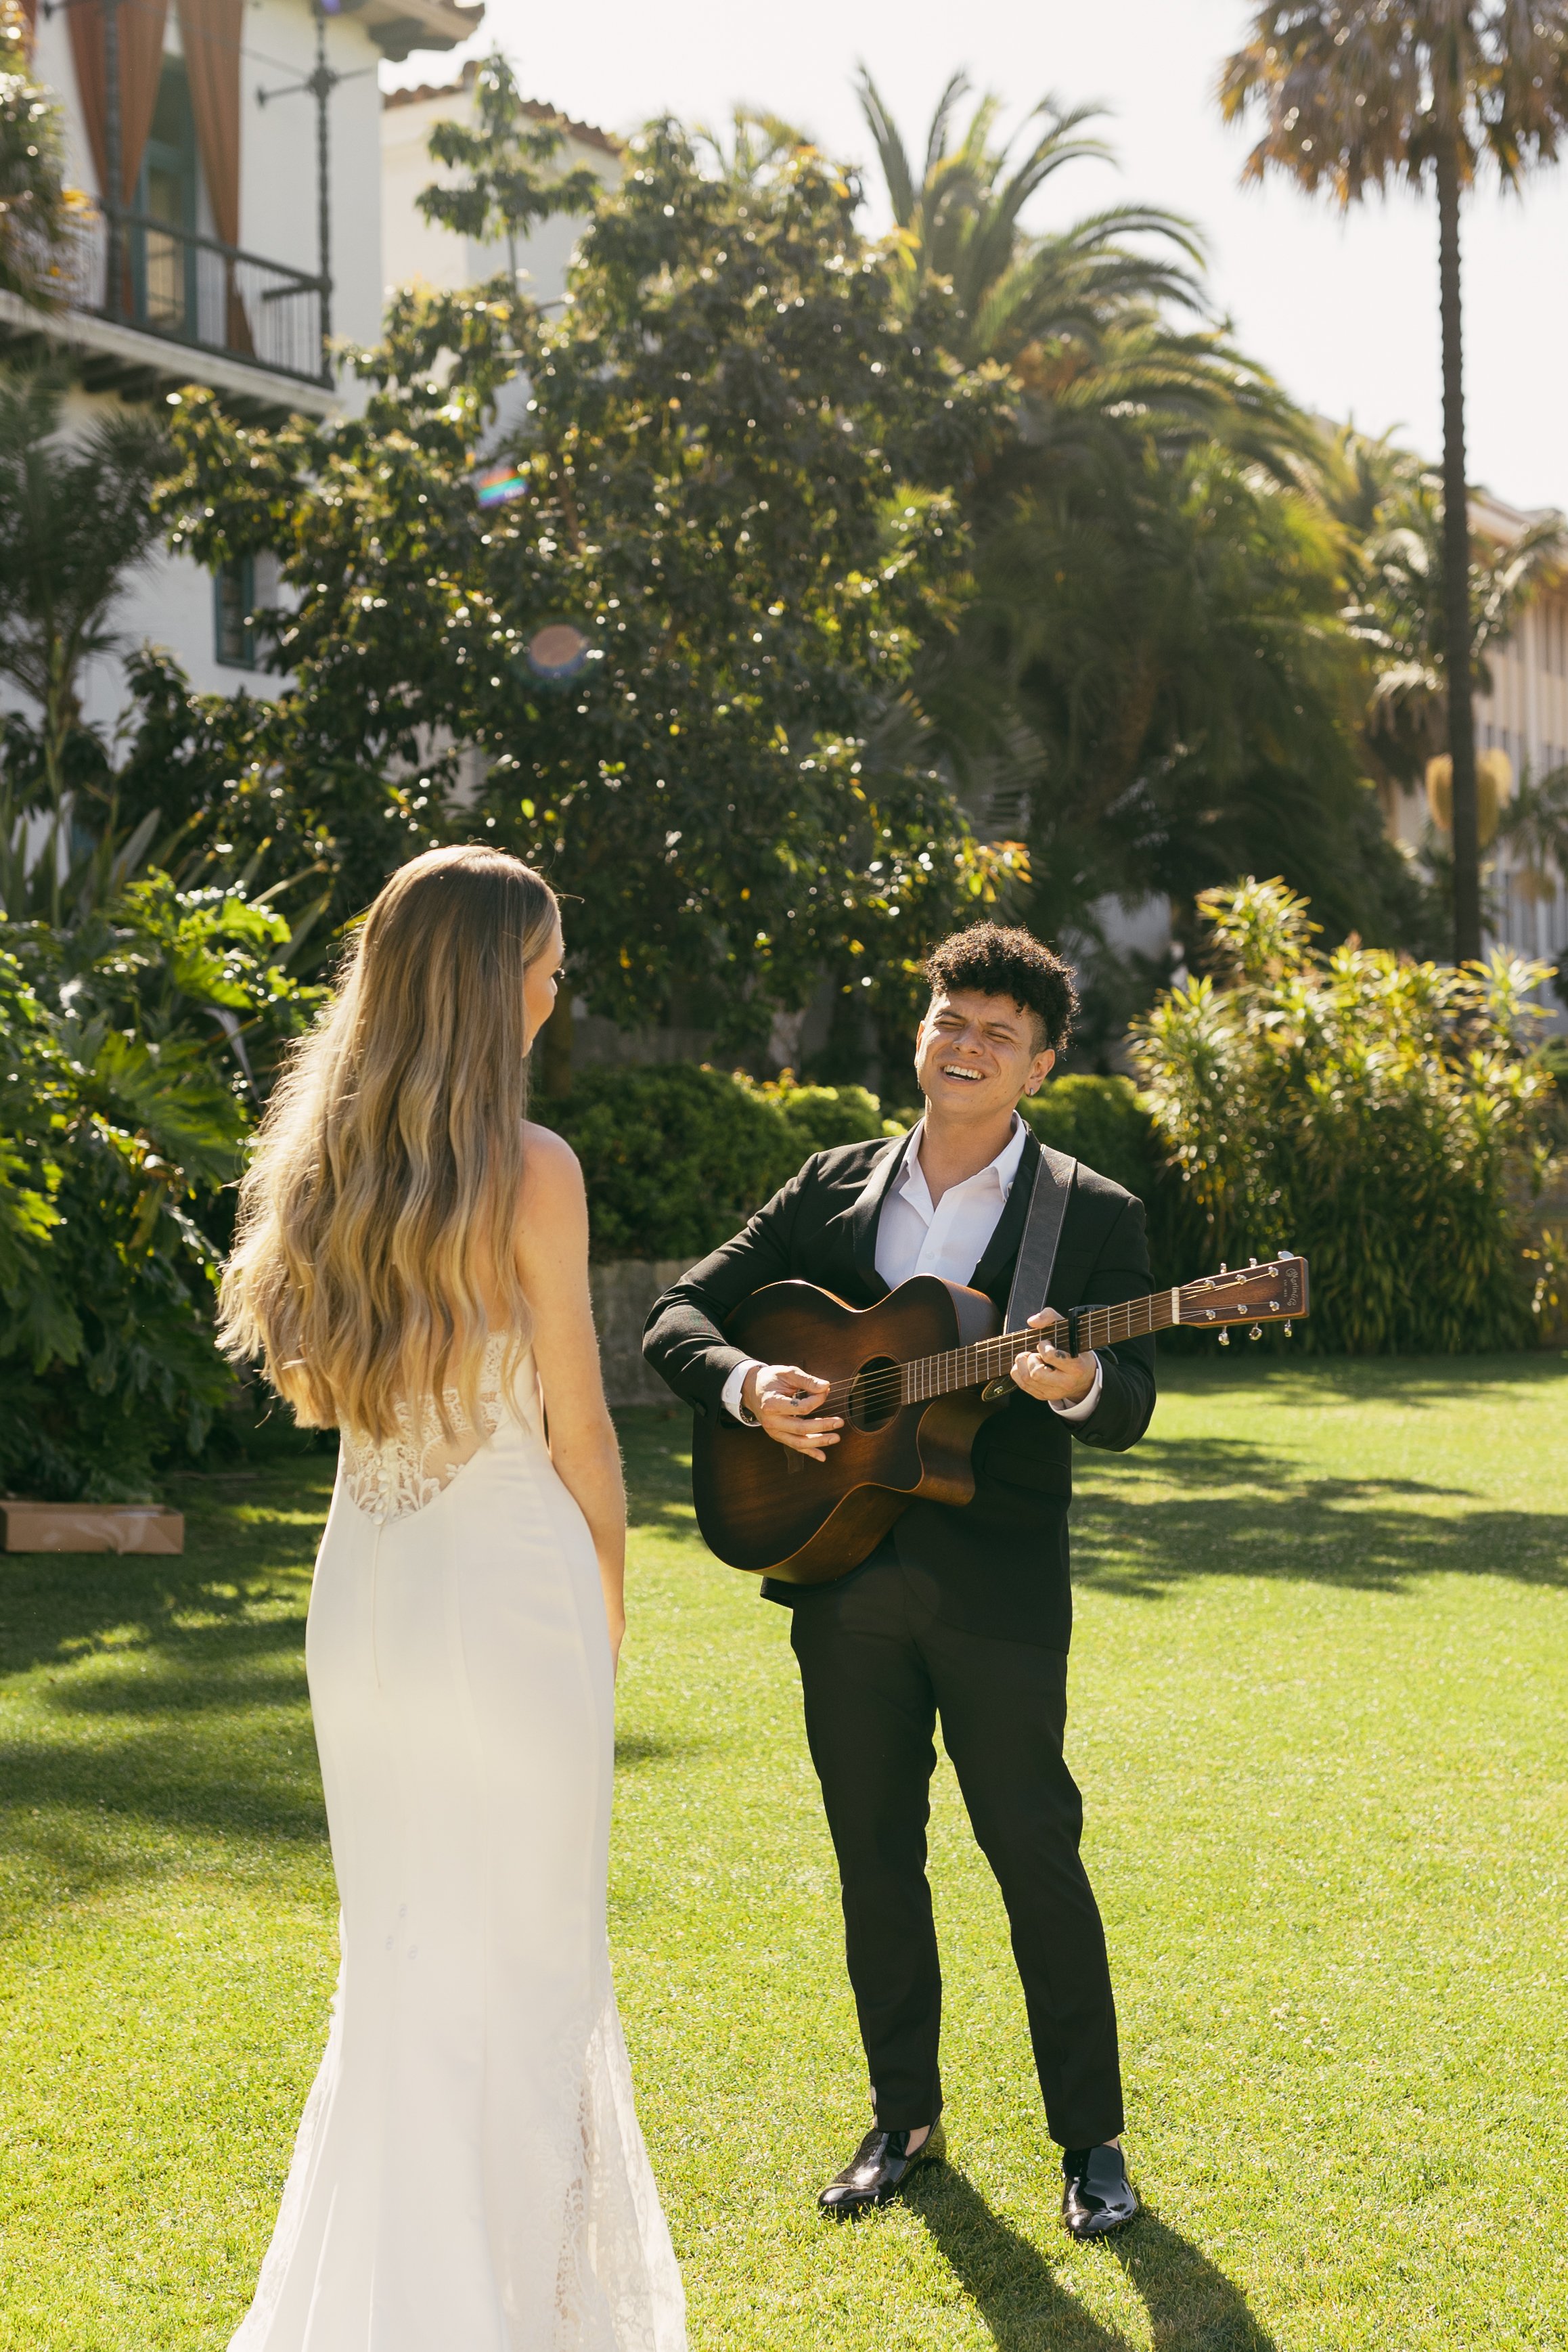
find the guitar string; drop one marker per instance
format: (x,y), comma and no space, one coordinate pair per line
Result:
(924,1377)
(921,1379)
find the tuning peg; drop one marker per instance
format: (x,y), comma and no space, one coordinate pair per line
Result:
(1251,1261)
(1255,1332)
(1225,1339)
(1287,1331)
(1223,1267)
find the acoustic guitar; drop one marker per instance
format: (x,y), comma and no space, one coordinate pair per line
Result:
(912,1377)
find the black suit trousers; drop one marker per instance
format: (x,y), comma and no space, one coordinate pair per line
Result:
(878,1667)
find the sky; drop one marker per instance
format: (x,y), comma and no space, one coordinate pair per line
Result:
(1342,310)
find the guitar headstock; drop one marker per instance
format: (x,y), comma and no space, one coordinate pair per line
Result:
(1274,1293)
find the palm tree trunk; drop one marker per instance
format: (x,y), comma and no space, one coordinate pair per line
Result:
(1457,571)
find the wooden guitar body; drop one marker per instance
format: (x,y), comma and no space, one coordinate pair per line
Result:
(911,1379)
(764,1508)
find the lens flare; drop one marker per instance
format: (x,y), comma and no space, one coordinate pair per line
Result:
(559,651)
(498,485)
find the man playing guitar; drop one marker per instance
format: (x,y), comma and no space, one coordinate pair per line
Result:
(961,1612)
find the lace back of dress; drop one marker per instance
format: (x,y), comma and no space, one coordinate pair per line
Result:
(392,1477)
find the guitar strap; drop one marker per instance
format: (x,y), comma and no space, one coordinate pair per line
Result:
(1042,1231)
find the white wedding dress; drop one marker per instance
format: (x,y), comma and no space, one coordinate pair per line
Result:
(469,2176)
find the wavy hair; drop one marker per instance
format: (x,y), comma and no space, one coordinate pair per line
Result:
(378,1215)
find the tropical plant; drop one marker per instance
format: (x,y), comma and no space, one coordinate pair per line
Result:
(508,156)
(1084,317)
(1386,1118)
(39,215)
(1016,290)
(1356,94)
(1390,504)
(126,1093)
(75,519)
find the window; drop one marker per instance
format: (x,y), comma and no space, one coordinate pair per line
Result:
(233,611)
(163,261)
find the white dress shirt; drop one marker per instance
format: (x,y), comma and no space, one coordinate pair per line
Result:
(947,1237)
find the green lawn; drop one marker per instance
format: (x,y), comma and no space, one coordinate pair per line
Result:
(1320,1715)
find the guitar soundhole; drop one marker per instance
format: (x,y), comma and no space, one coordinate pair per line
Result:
(874,1398)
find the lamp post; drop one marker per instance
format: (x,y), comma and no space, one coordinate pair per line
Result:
(318,85)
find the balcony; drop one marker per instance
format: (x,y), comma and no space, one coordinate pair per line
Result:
(133,284)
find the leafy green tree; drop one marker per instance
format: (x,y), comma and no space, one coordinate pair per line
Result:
(1356,94)
(736,491)
(509,159)
(75,521)
(39,215)
(1163,638)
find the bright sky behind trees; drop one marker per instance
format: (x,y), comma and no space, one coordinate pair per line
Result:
(1345,312)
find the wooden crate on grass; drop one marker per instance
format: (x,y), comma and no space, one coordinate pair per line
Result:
(90,1526)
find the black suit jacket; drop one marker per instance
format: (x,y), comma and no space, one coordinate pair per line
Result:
(997,1565)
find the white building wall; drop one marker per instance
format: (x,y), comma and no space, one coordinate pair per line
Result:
(171,602)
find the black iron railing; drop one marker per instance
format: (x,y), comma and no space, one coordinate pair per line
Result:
(177,283)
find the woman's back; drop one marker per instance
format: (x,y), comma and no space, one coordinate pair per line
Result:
(468,2171)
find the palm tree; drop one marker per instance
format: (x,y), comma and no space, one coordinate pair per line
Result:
(1356,94)
(1391,508)
(75,519)
(1016,291)
(1080,318)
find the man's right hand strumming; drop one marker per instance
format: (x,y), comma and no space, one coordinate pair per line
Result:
(786,1402)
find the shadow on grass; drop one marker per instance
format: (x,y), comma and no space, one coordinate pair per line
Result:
(1192,2305)
(54,1608)
(221,1783)
(1414,1381)
(657,1447)
(635,1748)
(1239,1509)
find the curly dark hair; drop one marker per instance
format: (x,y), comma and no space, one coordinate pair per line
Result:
(995,960)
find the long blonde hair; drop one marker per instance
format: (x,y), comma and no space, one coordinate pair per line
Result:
(379,1212)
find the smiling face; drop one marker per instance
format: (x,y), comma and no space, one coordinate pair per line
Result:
(540,983)
(975,1055)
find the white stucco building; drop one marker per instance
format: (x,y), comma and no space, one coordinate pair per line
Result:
(417,251)
(212,268)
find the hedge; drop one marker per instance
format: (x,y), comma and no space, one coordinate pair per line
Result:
(676,1158)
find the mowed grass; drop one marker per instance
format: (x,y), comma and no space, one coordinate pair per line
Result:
(1321,1716)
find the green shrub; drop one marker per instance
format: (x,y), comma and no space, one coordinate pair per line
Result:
(1101,1122)
(1388,1119)
(123,1110)
(677,1157)
(818,1117)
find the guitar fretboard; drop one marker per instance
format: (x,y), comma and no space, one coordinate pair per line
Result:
(984,1361)
(1251,1294)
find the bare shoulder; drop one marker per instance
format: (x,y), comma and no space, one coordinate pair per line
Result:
(553,1205)
(551,1164)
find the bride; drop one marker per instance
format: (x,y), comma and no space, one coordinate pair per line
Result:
(411,1267)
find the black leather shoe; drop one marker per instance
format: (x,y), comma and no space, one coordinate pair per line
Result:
(1097,2196)
(878,2171)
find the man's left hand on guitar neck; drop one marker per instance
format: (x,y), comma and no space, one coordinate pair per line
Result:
(1071,1384)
